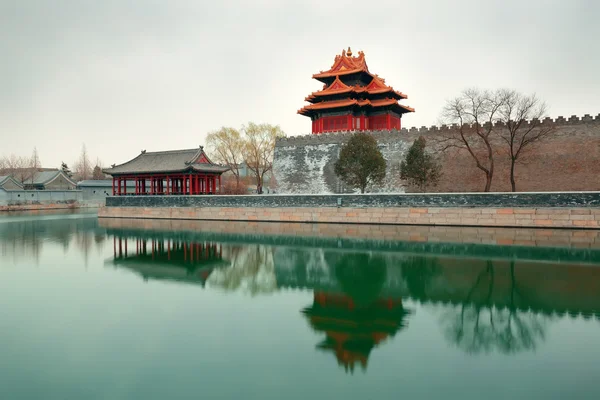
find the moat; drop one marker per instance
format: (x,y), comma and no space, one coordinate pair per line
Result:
(122,309)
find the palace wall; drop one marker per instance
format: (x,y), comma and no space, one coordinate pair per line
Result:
(567,161)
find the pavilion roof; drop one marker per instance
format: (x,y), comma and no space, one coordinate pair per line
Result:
(345,64)
(376,86)
(171,161)
(353,102)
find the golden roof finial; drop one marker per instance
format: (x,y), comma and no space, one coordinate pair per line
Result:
(349,52)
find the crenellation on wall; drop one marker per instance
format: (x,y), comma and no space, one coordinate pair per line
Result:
(561,120)
(587,118)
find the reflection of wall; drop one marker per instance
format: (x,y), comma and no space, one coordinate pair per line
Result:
(26,238)
(544,287)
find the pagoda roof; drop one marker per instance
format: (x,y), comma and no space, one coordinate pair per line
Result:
(325,105)
(376,86)
(171,161)
(345,64)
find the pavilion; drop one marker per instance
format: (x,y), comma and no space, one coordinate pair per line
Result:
(174,172)
(353,99)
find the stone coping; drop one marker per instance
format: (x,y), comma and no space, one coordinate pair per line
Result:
(500,200)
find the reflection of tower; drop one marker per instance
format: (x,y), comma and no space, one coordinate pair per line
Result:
(169,259)
(353,330)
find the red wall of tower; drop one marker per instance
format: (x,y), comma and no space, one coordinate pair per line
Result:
(348,123)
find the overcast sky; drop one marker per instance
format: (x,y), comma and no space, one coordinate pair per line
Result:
(126,75)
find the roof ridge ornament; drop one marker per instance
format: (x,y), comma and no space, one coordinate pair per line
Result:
(144,151)
(349,52)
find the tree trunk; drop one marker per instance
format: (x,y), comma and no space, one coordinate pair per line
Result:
(490,174)
(488,182)
(513,184)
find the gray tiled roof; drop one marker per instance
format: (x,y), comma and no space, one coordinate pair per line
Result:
(6,178)
(166,161)
(101,183)
(42,177)
(46,176)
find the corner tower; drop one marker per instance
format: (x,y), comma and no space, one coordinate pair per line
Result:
(353,98)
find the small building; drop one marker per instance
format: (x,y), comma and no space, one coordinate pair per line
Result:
(7,182)
(49,179)
(174,172)
(353,99)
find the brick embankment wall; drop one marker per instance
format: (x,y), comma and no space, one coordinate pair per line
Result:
(509,217)
(558,210)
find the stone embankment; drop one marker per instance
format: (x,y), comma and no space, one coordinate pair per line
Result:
(533,210)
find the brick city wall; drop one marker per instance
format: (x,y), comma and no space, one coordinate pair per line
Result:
(564,210)
(566,161)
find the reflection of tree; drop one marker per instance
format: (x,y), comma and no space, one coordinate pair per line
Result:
(479,326)
(252,269)
(418,272)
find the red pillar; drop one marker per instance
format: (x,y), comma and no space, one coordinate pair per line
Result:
(113,185)
(167,184)
(389,121)
(349,122)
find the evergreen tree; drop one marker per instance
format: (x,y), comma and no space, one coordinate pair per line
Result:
(65,168)
(97,173)
(360,163)
(420,168)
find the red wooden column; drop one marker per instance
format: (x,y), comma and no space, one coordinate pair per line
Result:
(167,192)
(349,122)
(389,121)
(119,186)
(113,185)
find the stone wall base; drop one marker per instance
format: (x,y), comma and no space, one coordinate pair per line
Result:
(42,207)
(579,218)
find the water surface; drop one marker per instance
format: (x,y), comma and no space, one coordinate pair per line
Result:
(93,310)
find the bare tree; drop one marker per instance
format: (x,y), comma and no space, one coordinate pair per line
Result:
(260,148)
(34,164)
(3,166)
(83,166)
(16,166)
(472,115)
(226,146)
(521,115)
